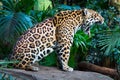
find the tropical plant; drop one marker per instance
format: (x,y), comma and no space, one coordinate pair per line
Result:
(13,22)
(110,44)
(109,40)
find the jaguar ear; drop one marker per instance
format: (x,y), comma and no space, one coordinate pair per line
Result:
(85,12)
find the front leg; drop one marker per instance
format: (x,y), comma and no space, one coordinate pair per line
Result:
(64,38)
(63,52)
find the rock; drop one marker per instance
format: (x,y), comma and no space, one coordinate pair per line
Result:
(52,73)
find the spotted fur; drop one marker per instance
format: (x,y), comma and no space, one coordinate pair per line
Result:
(53,34)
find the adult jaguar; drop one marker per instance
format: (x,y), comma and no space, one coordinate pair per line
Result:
(53,34)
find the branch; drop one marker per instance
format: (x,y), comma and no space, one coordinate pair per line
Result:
(102,70)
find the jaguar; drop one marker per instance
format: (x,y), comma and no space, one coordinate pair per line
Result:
(53,34)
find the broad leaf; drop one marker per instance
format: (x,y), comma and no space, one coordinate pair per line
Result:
(13,24)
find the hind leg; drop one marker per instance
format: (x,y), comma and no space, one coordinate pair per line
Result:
(26,66)
(26,62)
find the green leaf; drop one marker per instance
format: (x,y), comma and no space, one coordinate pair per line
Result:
(7,62)
(42,5)
(14,24)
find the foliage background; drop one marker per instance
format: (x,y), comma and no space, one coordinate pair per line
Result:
(102,48)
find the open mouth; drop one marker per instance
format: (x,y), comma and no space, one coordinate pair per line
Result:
(99,22)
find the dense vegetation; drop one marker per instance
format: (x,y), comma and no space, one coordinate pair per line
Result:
(102,48)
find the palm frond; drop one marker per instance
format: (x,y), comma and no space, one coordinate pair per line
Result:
(109,40)
(13,20)
(13,24)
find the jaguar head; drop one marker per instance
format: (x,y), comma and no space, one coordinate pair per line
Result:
(89,18)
